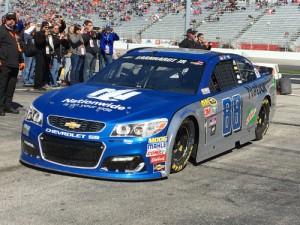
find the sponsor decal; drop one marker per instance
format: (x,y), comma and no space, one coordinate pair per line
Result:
(251,118)
(256,89)
(212,121)
(26,129)
(213,110)
(212,101)
(85,103)
(158,139)
(256,73)
(205,91)
(110,94)
(155,152)
(107,94)
(158,159)
(157,146)
(93,137)
(65,134)
(207,111)
(204,103)
(159,167)
(213,130)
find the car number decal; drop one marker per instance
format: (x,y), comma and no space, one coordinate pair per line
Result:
(231,114)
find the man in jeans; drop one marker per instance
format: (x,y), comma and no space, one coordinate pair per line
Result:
(59,41)
(28,72)
(90,38)
(107,45)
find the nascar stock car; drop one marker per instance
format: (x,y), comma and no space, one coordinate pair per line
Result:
(144,115)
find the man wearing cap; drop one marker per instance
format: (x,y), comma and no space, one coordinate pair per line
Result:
(11,61)
(189,41)
(107,45)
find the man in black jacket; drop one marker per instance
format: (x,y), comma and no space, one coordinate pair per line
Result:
(200,43)
(90,38)
(189,41)
(43,57)
(11,61)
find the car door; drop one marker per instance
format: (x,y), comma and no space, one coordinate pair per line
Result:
(225,114)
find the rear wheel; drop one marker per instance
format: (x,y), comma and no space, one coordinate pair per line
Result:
(262,122)
(183,145)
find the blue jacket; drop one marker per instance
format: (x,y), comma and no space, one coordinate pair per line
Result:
(108,39)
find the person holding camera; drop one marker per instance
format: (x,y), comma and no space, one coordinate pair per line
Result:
(78,53)
(59,42)
(107,45)
(11,61)
(44,45)
(200,44)
(90,38)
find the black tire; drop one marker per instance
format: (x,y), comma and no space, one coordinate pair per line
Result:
(183,145)
(263,120)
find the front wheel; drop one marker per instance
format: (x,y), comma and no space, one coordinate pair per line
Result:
(263,121)
(183,145)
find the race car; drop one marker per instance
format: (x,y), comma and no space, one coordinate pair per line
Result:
(145,115)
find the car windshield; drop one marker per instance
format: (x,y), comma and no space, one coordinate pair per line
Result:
(151,72)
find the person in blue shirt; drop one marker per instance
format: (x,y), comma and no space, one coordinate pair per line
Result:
(107,46)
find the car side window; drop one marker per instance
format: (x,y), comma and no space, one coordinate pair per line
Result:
(246,73)
(223,77)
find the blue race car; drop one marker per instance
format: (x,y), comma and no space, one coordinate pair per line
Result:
(147,113)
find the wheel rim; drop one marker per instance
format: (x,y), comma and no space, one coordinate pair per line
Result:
(263,119)
(181,146)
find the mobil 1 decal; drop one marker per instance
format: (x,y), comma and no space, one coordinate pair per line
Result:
(232,109)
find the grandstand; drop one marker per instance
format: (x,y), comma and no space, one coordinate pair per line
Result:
(226,24)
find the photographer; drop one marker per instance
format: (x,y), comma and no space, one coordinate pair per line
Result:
(44,47)
(200,44)
(90,38)
(78,53)
(59,41)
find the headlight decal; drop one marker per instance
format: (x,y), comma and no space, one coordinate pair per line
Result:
(34,116)
(140,129)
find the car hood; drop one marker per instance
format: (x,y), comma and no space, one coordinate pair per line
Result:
(111,103)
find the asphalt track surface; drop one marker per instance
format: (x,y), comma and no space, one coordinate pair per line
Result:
(256,184)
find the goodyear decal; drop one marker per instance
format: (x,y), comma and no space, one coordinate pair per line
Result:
(157,146)
(159,167)
(251,118)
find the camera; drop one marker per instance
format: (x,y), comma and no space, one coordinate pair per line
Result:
(96,28)
(57,16)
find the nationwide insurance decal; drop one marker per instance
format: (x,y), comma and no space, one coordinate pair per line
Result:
(102,100)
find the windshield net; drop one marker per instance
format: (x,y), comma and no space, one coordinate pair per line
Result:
(151,72)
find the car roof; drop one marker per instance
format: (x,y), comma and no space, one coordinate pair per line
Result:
(184,53)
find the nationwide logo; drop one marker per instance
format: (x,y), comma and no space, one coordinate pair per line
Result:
(72,125)
(110,94)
